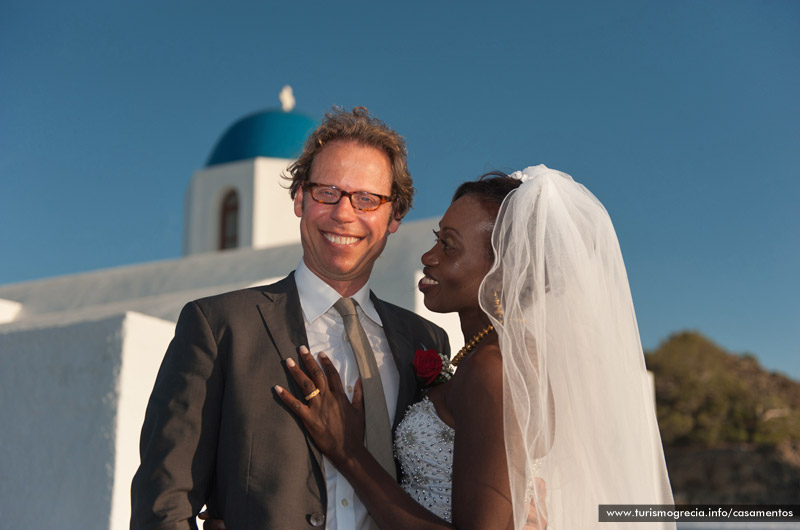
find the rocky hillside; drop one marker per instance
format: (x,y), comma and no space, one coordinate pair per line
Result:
(731,430)
(735,474)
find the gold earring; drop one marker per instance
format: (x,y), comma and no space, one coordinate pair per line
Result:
(498,308)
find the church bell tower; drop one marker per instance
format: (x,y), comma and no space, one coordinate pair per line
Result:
(239,199)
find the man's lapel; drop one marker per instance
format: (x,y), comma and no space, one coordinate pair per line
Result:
(401,343)
(283,319)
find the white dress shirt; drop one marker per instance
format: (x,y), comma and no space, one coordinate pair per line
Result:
(325,331)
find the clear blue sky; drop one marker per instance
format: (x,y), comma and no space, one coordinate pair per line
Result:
(682,116)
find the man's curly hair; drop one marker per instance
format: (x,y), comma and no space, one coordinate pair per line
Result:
(357,125)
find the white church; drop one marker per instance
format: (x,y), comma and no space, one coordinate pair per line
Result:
(79,353)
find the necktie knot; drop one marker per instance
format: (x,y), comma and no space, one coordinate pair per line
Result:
(345,307)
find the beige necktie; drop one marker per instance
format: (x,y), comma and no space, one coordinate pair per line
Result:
(378,430)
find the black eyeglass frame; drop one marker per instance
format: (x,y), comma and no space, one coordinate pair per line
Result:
(349,194)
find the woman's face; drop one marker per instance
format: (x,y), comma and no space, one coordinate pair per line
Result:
(459,259)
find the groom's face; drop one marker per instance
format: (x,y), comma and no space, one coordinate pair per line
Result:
(341,243)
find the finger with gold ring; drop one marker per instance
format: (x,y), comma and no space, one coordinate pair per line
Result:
(312,394)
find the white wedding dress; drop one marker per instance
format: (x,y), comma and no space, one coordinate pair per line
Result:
(423,444)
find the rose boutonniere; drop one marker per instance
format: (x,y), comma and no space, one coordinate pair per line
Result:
(432,368)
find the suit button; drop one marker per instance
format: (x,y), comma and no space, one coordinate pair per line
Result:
(316,519)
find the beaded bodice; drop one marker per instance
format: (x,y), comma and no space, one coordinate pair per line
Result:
(423,444)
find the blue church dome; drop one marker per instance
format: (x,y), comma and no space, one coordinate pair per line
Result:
(269,133)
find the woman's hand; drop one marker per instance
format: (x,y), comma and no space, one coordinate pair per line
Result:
(537,515)
(335,424)
(209,523)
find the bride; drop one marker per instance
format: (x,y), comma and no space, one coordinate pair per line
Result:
(550,413)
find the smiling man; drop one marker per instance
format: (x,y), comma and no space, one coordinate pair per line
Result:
(341,240)
(214,432)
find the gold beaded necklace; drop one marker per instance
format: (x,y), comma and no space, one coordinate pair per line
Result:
(468,347)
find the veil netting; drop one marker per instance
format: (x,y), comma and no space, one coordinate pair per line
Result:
(579,414)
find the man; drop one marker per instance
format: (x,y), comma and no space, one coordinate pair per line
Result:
(214,432)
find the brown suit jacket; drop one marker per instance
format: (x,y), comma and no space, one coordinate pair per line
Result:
(215,432)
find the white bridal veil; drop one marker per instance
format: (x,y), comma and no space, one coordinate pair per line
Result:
(578,407)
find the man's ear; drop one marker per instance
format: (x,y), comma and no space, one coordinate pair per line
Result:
(298,202)
(394,224)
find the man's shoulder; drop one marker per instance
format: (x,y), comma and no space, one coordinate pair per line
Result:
(401,314)
(398,320)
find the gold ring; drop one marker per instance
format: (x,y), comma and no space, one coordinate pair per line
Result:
(312,394)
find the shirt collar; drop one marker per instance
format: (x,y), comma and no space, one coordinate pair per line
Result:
(317,297)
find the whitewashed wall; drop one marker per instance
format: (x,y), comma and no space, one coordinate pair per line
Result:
(266,213)
(72,402)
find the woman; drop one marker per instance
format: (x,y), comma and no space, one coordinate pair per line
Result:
(550,390)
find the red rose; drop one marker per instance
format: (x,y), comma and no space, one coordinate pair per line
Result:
(427,366)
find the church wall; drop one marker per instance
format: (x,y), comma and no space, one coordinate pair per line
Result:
(204,200)
(145,339)
(158,288)
(58,388)
(9,310)
(266,213)
(274,222)
(72,405)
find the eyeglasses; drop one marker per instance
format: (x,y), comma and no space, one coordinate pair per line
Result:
(360,200)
